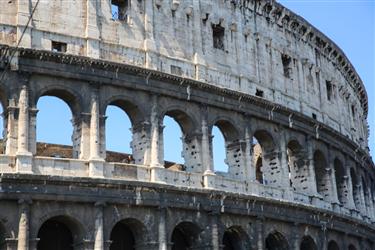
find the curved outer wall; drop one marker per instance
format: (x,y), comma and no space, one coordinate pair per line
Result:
(251,68)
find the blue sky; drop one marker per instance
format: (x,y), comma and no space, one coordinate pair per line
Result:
(351,25)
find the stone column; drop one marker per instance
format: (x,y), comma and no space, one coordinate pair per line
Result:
(215,240)
(96,166)
(23,226)
(11,128)
(209,174)
(140,143)
(92,29)
(284,176)
(199,60)
(32,132)
(99,231)
(24,156)
(162,230)
(296,236)
(334,194)
(259,237)
(156,163)
(311,167)
(149,43)
(248,154)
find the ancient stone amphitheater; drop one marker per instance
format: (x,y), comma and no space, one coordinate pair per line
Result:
(289,103)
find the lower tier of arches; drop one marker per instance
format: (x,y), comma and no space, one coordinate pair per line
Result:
(42,213)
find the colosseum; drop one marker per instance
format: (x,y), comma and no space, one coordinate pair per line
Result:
(289,103)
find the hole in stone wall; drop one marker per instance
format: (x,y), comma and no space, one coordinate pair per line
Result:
(118,135)
(314,116)
(287,67)
(259,93)
(330,90)
(58,46)
(120,9)
(218,33)
(54,127)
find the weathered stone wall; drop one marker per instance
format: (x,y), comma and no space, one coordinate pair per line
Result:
(257,36)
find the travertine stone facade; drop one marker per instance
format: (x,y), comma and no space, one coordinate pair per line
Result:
(290,105)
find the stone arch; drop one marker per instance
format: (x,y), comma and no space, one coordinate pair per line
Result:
(298,166)
(322,174)
(74,101)
(190,142)
(185,235)
(266,158)
(128,233)
(233,146)
(341,181)
(60,233)
(332,245)
(235,238)
(276,241)
(139,131)
(308,243)
(356,188)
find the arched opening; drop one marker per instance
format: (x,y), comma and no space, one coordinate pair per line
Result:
(57,132)
(181,146)
(352,247)
(173,141)
(126,137)
(235,238)
(322,174)
(265,158)
(341,184)
(276,241)
(219,151)
(332,245)
(308,243)
(185,236)
(227,150)
(118,135)
(127,234)
(355,188)
(298,167)
(59,233)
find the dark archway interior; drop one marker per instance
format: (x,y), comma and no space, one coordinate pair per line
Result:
(332,245)
(321,174)
(351,247)
(122,238)
(55,235)
(233,239)
(340,180)
(308,243)
(2,238)
(259,173)
(276,241)
(185,236)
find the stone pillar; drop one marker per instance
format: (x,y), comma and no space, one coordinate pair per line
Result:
(284,181)
(333,190)
(162,230)
(199,60)
(24,156)
(11,129)
(248,154)
(192,152)
(156,163)
(140,143)
(311,167)
(23,226)
(96,166)
(215,240)
(259,237)
(322,242)
(32,132)
(296,237)
(99,231)
(149,43)
(92,29)
(208,175)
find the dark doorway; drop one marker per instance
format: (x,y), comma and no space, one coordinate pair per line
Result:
(276,241)
(234,239)
(55,235)
(185,236)
(332,245)
(308,244)
(122,238)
